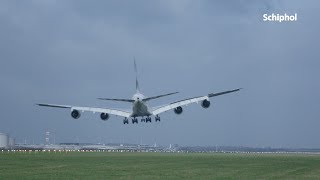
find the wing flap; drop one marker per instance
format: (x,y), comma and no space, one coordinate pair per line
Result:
(103,110)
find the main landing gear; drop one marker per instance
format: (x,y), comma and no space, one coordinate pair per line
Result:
(135,120)
(125,121)
(157,118)
(148,119)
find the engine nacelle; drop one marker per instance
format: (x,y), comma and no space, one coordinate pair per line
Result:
(75,114)
(104,116)
(205,103)
(178,110)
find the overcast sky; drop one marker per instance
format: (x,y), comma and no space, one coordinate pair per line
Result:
(71,52)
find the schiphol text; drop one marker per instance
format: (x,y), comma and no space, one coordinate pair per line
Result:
(279,17)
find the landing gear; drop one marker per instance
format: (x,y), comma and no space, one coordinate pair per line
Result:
(125,121)
(134,120)
(148,119)
(157,118)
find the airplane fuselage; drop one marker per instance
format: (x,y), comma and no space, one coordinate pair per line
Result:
(139,107)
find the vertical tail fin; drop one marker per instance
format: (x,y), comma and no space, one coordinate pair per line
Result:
(136,71)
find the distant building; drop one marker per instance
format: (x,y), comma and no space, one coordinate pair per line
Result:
(11,142)
(4,140)
(47,137)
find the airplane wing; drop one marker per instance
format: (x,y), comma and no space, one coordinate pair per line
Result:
(185,102)
(91,109)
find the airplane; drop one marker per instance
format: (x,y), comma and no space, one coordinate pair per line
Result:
(139,105)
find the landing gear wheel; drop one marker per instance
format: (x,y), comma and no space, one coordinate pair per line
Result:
(157,118)
(125,121)
(134,120)
(148,119)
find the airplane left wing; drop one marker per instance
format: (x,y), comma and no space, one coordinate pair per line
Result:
(185,102)
(91,109)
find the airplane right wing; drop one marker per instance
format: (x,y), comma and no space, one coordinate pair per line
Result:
(185,102)
(178,103)
(91,109)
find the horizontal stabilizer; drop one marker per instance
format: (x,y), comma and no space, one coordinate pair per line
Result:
(155,97)
(122,100)
(221,93)
(54,105)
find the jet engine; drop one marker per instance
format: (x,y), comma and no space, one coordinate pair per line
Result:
(205,103)
(178,110)
(104,116)
(75,114)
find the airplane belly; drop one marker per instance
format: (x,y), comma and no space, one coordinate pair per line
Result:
(140,109)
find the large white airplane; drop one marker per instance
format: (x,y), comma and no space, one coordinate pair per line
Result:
(139,105)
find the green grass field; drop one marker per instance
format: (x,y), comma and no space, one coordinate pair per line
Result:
(104,165)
